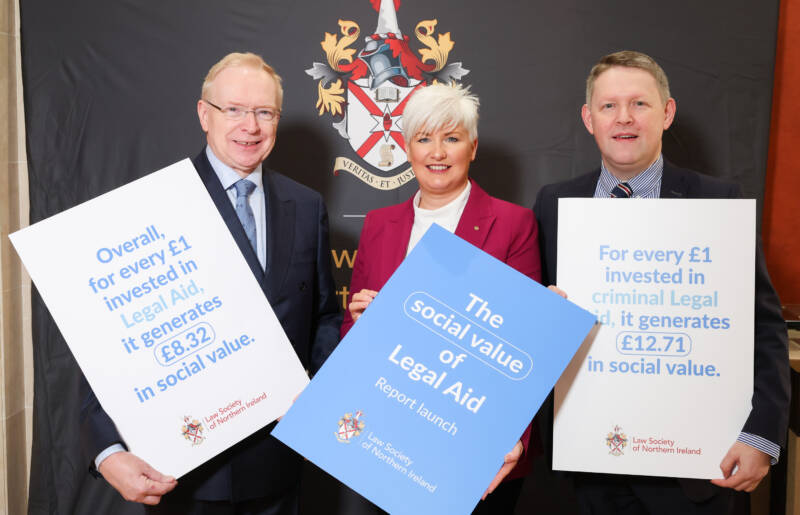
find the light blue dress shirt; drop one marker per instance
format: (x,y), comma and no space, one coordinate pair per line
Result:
(646,184)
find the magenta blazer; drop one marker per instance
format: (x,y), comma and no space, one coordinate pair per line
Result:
(504,230)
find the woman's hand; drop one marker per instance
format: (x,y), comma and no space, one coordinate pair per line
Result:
(557,290)
(360,302)
(509,462)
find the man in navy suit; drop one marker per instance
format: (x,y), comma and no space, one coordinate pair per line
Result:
(628,107)
(281,227)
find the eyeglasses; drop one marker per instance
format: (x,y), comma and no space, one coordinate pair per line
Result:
(263,114)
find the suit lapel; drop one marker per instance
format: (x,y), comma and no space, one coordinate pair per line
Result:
(228,213)
(583,186)
(395,242)
(477,218)
(280,237)
(673,183)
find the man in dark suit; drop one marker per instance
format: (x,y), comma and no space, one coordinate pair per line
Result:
(281,227)
(627,109)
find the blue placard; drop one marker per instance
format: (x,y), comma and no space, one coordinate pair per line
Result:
(437,380)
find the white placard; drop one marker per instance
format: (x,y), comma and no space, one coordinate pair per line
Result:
(164,317)
(665,387)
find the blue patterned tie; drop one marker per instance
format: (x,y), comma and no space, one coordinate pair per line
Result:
(622,190)
(243,190)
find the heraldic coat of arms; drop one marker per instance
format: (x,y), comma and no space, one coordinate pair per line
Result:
(192,430)
(616,441)
(349,427)
(366,90)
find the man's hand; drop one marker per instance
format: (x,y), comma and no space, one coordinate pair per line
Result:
(360,302)
(751,467)
(134,479)
(509,462)
(557,290)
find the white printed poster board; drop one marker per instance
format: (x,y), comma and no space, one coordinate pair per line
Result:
(164,317)
(665,387)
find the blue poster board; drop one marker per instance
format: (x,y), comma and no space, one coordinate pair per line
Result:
(437,380)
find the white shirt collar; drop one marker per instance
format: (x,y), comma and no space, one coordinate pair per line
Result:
(446,216)
(227,176)
(452,209)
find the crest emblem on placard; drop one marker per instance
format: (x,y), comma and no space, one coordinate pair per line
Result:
(192,430)
(349,427)
(616,441)
(365,90)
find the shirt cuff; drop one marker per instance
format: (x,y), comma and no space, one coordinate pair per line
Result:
(112,449)
(762,444)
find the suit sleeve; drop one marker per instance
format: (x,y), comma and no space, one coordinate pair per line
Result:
(326,317)
(545,210)
(98,432)
(545,213)
(359,277)
(523,254)
(769,416)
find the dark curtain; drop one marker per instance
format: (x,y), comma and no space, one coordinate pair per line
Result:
(110,93)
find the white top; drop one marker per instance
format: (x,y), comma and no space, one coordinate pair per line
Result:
(447,216)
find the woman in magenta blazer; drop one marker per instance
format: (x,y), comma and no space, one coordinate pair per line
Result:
(440,127)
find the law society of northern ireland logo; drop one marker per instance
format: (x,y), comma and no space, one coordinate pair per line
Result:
(192,430)
(350,426)
(365,90)
(616,441)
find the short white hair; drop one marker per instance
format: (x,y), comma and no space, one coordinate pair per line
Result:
(441,106)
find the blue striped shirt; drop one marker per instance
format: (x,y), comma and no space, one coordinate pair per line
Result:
(762,444)
(647,184)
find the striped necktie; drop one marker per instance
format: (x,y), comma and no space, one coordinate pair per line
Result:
(622,190)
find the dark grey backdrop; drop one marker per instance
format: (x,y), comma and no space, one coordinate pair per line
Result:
(110,93)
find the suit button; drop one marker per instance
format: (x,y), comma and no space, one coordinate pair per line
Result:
(302,286)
